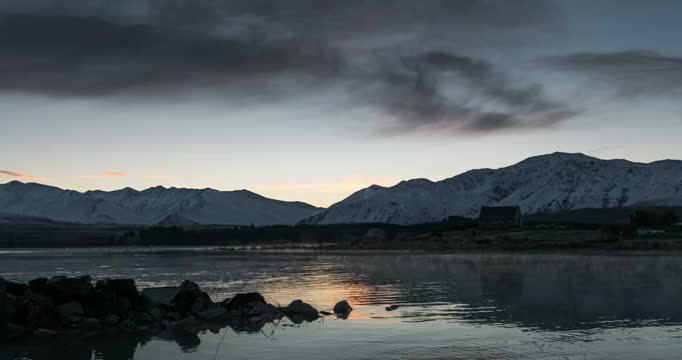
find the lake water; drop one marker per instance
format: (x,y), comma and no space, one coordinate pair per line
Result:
(510,306)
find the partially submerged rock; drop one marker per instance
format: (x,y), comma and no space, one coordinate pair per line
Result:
(121,287)
(258,308)
(64,288)
(214,314)
(342,307)
(160,295)
(107,302)
(111,320)
(187,292)
(71,308)
(298,310)
(392,307)
(7,309)
(243,299)
(190,324)
(38,284)
(74,305)
(201,303)
(15,288)
(156,313)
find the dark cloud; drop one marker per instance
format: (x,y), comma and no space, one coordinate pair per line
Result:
(71,55)
(447,91)
(148,48)
(632,73)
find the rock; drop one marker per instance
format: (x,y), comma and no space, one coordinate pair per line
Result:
(14,330)
(38,284)
(187,292)
(127,325)
(300,310)
(36,296)
(189,323)
(121,287)
(342,308)
(107,302)
(7,309)
(111,320)
(64,289)
(71,308)
(213,314)
(258,309)
(326,313)
(160,295)
(72,320)
(243,299)
(40,311)
(263,313)
(201,303)
(189,287)
(174,316)
(15,288)
(90,322)
(156,313)
(140,317)
(392,307)
(44,332)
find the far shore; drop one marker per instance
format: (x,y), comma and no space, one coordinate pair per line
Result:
(461,236)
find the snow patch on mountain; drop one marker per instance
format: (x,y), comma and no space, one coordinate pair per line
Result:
(150,206)
(554,182)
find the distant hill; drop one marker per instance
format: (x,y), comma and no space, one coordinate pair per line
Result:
(158,205)
(547,183)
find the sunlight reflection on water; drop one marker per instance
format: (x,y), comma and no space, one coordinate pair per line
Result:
(451,306)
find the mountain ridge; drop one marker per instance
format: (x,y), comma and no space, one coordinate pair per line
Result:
(543,183)
(149,206)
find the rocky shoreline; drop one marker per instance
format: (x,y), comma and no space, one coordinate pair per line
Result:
(74,305)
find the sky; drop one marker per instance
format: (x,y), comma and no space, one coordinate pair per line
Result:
(312,100)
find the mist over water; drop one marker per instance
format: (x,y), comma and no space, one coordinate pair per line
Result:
(465,306)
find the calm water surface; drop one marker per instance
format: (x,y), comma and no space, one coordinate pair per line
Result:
(452,306)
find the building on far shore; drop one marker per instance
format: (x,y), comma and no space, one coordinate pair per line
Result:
(500,217)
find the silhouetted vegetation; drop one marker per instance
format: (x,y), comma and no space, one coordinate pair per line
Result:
(620,230)
(592,218)
(655,218)
(281,234)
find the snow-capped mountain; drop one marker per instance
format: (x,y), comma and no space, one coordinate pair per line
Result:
(169,206)
(553,182)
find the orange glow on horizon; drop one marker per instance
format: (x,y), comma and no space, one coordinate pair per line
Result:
(116,174)
(19,175)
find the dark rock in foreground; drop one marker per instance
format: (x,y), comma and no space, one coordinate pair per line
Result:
(62,288)
(67,304)
(240,300)
(161,296)
(298,311)
(342,308)
(122,287)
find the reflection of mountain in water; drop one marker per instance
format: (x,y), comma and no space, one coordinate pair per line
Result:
(555,292)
